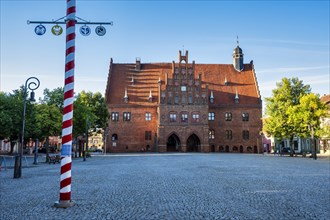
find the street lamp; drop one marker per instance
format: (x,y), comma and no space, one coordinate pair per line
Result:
(31,83)
(106,133)
(313,145)
(86,147)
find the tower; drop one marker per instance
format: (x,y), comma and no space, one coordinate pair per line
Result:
(238,58)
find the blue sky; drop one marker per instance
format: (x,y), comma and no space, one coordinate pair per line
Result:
(283,38)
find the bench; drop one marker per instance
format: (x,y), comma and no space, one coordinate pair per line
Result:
(54,159)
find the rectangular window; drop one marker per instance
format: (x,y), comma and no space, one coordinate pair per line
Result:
(114,116)
(172,117)
(126,116)
(148,116)
(229,135)
(195,118)
(228,116)
(176,100)
(148,135)
(184,117)
(211,134)
(211,116)
(246,135)
(245,117)
(183,99)
(190,100)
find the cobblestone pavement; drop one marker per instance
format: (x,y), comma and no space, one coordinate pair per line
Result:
(173,186)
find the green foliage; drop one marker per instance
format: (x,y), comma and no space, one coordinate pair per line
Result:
(45,118)
(305,117)
(54,97)
(293,110)
(89,108)
(6,115)
(287,94)
(48,121)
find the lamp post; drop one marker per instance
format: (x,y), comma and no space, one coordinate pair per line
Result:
(35,161)
(31,83)
(313,145)
(105,140)
(86,147)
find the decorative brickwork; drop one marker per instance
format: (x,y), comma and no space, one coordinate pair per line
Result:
(184,107)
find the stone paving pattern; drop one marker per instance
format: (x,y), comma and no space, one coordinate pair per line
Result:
(173,186)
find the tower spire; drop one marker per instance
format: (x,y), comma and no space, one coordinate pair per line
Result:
(238,58)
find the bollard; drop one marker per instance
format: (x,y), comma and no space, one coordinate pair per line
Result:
(17,172)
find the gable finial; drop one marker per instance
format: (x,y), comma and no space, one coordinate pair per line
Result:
(212,97)
(236,97)
(125,96)
(150,96)
(226,81)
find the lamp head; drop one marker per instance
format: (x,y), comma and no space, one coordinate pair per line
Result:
(32,97)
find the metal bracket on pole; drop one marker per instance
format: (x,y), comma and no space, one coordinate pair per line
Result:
(64,22)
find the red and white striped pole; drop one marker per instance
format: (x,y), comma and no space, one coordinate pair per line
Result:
(66,161)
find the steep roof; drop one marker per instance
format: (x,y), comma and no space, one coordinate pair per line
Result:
(213,75)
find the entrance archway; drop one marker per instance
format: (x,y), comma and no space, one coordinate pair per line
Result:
(193,143)
(173,143)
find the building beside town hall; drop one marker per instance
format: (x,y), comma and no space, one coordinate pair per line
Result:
(184,106)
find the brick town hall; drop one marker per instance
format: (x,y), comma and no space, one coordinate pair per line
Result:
(184,107)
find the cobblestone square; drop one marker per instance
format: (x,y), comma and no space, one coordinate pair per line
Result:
(173,186)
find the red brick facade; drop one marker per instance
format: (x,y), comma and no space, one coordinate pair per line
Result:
(184,107)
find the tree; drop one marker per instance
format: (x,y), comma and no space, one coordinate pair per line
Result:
(6,115)
(306,116)
(54,97)
(90,111)
(96,105)
(287,95)
(48,121)
(11,110)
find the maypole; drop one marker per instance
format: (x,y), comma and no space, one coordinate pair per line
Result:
(70,21)
(66,161)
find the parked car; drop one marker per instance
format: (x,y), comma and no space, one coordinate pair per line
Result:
(99,150)
(287,151)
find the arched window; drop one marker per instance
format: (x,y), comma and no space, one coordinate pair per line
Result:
(114,137)
(245,116)
(228,116)
(229,134)
(246,135)
(195,117)
(172,116)
(184,116)
(211,134)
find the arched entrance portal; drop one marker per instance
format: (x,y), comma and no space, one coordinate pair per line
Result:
(173,143)
(193,143)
